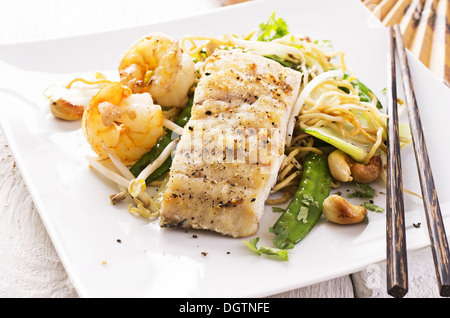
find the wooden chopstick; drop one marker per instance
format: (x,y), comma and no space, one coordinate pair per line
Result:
(436,230)
(396,256)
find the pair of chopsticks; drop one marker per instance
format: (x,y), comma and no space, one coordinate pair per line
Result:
(396,260)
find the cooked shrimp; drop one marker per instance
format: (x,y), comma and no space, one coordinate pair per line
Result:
(178,95)
(127,124)
(157,65)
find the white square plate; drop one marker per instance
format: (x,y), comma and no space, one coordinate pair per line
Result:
(73,201)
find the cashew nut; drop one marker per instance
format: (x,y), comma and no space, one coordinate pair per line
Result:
(367,173)
(339,166)
(338,210)
(66,110)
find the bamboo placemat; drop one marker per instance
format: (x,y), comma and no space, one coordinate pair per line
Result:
(425,25)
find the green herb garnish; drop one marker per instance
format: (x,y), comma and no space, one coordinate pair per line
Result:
(373,207)
(365,191)
(272,29)
(265,250)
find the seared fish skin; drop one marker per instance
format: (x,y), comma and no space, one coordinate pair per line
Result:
(228,157)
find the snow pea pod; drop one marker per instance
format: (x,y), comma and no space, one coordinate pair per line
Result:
(305,209)
(157,149)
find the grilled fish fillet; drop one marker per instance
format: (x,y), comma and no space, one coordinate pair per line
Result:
(228,157)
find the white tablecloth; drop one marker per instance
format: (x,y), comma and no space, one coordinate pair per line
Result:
(29,264)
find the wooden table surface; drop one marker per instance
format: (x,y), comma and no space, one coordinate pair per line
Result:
(29,264)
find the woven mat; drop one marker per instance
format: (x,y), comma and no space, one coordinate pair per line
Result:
(425,25)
